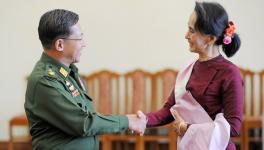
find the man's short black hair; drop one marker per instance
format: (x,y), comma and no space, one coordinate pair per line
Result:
(55,24)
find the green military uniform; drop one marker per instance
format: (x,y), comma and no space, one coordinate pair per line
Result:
(60,113)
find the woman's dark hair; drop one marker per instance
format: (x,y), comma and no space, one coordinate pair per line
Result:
(212,19)
(55,24)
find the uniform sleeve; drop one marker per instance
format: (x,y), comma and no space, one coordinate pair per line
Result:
(233,101)
(59,110)
(162,116)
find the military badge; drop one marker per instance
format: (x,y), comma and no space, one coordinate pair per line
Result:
(63,72)
(73,90)
(75,93)
(68,83)
(51,73)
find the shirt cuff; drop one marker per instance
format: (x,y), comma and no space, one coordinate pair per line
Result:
(123,123)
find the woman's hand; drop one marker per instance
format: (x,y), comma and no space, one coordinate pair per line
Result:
(179,124)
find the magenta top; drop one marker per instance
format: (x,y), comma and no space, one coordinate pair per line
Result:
(217,86)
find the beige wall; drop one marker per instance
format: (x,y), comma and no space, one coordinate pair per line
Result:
(120,34)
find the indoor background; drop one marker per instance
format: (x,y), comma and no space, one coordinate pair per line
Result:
(120,35)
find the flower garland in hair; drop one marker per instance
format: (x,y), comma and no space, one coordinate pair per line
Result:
(229,31)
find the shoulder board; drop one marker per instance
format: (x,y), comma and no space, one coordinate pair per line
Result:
(50,72)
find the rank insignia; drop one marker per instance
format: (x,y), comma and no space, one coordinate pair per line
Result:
(71,87)
(68,83)
(63,72)
(75,93)
(51,73)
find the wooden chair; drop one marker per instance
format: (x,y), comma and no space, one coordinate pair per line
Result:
(138,92)
(103,87)
(248,103)
(253,118)
(163,83)
(138,96)
(137,89)
(20,120)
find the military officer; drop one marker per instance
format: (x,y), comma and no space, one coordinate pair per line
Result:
(60,113)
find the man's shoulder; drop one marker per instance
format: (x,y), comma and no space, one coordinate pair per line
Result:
(43,72)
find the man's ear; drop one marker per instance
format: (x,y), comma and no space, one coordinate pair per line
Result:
(59,45)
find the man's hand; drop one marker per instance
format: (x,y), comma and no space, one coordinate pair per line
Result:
(137,122)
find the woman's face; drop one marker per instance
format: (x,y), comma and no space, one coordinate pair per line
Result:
(197,41)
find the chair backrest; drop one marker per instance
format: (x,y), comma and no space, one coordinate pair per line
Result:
(138,91)
(163,84)
(261,90)
(249,99)
(19,120)
(103,87)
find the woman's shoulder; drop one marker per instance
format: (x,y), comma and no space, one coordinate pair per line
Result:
(229,68)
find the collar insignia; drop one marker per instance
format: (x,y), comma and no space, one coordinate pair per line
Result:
(63,72)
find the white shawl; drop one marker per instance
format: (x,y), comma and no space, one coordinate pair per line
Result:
(204,133)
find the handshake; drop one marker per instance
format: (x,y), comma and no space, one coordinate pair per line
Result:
(137,122)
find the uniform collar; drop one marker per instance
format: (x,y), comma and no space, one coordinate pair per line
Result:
(57,66)
(74,68)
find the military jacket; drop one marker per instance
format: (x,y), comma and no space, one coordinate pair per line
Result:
(60,113)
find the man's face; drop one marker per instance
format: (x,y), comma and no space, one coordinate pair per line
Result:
(73,45)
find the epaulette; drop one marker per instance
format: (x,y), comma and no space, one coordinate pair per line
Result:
(50,72)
